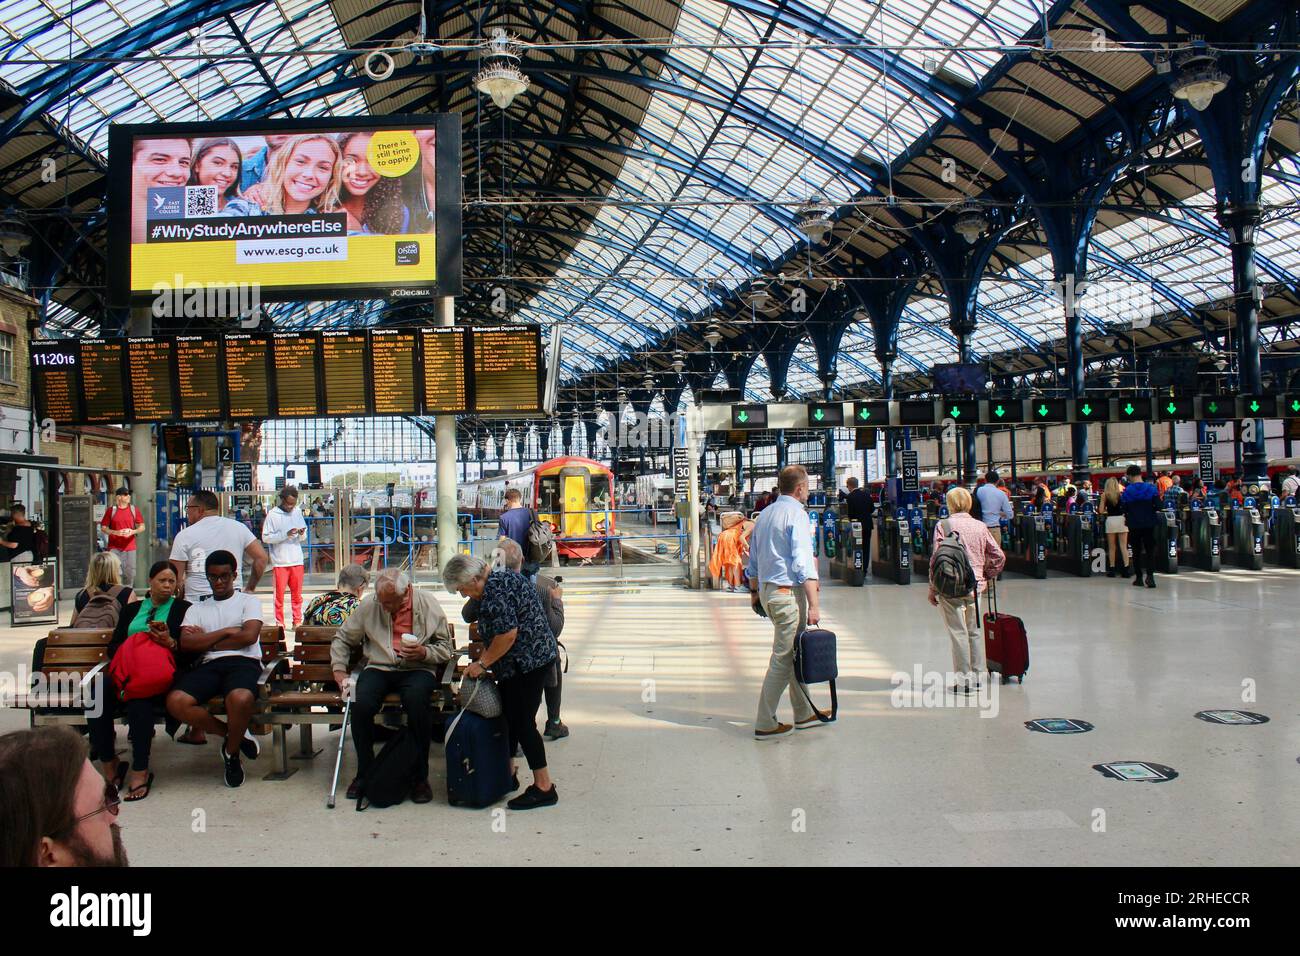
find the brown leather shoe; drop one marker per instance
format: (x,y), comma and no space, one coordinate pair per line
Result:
(354,788)
(421,792)
(780,730)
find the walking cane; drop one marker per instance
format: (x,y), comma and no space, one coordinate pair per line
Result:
(338,760)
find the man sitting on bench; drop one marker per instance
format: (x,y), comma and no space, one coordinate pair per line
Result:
(226,629)
(407,640)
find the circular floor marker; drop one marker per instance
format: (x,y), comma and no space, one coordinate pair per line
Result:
(1058,725)
(1138,771)
(1238,717)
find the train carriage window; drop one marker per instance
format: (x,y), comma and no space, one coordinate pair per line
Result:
(548,494)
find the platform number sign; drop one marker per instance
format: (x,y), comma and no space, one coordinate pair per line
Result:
(681,471)
(911,470)
(1205,458)
(243,476)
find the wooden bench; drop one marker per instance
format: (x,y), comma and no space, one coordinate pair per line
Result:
(69,659)
(302,693)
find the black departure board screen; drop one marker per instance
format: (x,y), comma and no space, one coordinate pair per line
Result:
(56,380)
(506,369)
(102,392)
(392,371)
(149,368)
(294,355)
(343,369)
(198,378)
(255,375)
(445,388)
(247,375)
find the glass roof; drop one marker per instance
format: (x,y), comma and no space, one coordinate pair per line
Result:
(1144,263)
(801,114)
(146,90)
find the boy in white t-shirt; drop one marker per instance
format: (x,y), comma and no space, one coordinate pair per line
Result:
(226,629)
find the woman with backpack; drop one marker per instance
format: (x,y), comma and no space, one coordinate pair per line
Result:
(955,585)
(100,603)
(153,629)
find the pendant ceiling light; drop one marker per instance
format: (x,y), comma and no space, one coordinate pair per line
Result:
(1199,78)
(501,78)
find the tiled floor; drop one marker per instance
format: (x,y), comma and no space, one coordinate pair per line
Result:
(661,767)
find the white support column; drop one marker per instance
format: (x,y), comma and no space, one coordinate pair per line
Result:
(444,440)
(693,436)
(144,460)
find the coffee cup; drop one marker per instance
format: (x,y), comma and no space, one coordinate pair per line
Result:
(410,640)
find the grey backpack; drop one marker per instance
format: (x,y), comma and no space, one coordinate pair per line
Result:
(951,574)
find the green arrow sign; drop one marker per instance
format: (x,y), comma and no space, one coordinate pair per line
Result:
(999,411)
(742,416)
(864,414)
(819,414)
(1171,408)
(1295,405)
(956,413)
(1254,406)
(1128,409)
(1042,410)
(1087,410)
(1213,407)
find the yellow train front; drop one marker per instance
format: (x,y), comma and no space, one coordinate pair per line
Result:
(576,496)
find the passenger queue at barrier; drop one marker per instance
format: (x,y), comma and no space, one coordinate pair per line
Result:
(1202,529)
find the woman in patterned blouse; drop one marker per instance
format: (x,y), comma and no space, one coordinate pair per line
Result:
(332,608)
(520,650)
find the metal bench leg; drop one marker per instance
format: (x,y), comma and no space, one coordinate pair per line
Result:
(305,751)
(280,745)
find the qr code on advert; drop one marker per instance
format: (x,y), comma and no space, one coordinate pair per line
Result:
(200,201)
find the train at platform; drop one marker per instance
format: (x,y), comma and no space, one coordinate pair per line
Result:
(572,494)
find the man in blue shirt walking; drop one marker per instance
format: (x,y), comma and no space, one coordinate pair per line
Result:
(784,587)
(994,503)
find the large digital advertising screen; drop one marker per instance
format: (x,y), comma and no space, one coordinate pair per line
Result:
(362,207)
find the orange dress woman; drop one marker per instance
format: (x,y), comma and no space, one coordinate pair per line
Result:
(732,549)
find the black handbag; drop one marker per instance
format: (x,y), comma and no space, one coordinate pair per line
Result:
(814,663)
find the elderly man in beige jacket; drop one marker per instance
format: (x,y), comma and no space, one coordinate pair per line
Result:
(406,641)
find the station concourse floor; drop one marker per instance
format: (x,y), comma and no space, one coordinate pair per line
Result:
(678,779)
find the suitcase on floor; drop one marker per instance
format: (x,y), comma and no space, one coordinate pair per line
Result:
(478,760)
(1006,643)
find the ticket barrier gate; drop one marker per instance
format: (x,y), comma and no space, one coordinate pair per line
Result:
(815,526)
(923,536)
(1073,542)
(1026,540)
(892,546)
(830,536)
(1168,538)
(1285,549)
(1247,550)
(1205,533)
(852,565)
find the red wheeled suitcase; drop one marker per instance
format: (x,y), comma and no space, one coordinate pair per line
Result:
(1006,643)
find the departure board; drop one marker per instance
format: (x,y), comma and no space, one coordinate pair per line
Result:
(149,368)
(444,370)
(102,388)
(246,376)
(294,354)
(343,370)
(392,371)
(56,380)
(198,375)
(506,369)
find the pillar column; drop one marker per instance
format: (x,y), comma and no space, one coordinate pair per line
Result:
(1241,223)
(444,446)
(144,460)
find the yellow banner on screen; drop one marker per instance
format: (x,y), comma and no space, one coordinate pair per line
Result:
(399,260)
